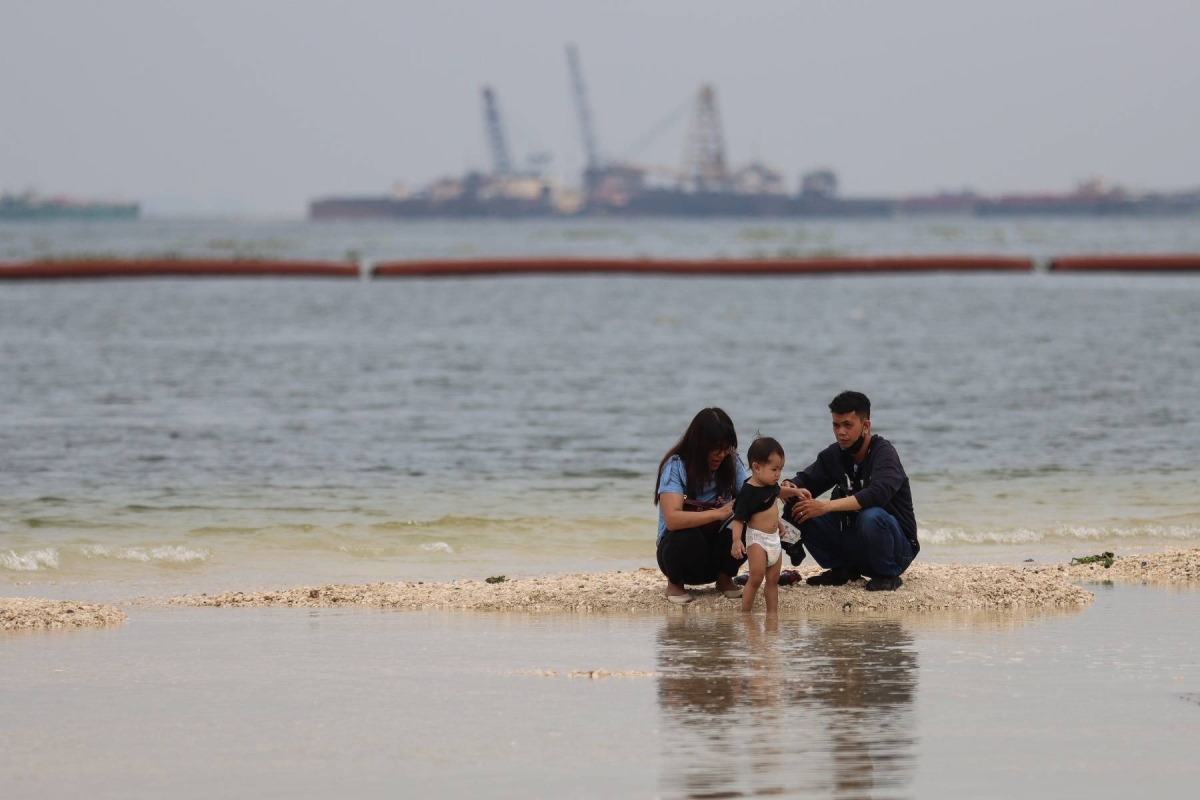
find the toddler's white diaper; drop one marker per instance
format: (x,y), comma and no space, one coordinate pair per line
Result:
(767,541)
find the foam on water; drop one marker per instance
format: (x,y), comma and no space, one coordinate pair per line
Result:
(1059,533)
(55,558)
(172,554)
(30,561)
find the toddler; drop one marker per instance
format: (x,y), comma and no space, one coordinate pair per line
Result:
(755,526)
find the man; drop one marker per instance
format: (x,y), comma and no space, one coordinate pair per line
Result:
(868,526)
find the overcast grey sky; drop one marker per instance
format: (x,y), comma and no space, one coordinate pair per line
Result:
(256,107)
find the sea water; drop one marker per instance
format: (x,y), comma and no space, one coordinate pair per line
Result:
(162,435)
(1102,701)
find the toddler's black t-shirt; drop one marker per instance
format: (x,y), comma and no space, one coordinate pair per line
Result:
(753,499)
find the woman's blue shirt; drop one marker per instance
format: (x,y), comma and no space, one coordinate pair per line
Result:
(674,480)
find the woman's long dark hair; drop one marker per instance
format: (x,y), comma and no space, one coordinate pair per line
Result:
(711,429)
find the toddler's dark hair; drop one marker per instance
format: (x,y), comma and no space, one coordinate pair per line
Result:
(761,450)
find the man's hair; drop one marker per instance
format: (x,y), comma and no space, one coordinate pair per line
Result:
(761,450)
(852,403)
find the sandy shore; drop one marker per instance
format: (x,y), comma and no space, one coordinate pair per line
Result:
(927,587)
(1175,566)
(29,614)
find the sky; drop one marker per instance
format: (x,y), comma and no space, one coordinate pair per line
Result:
(255,107)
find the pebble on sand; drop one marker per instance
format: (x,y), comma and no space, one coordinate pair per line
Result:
(16,613)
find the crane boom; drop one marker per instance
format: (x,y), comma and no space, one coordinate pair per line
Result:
(501,163)
(582,109)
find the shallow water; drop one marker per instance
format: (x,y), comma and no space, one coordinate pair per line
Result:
(192,435)
(188,702)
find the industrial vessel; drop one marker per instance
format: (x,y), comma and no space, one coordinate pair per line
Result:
(30,206)
(705,185)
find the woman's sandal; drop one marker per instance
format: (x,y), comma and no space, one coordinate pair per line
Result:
(680,599)
(733,594)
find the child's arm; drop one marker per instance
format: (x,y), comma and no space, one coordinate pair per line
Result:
(736,527)
(789,492)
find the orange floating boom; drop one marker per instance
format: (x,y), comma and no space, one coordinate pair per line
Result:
(727,267)
(159,268)
(1167,262)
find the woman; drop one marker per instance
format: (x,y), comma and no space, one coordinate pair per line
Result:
(697,481)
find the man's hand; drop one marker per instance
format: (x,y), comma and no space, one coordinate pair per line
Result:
(809,509)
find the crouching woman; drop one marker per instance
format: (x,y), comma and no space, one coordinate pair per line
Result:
(697,481)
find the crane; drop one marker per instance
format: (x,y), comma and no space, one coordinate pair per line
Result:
(501,163)
(582,109)
(704,152)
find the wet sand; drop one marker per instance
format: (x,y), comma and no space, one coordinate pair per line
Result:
(1180,567)
(927,587)
(30,614)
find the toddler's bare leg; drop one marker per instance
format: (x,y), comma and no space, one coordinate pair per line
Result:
(771,593)
(758,571)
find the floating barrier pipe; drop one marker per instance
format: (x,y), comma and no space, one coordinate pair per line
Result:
(729,267)
(157,268)
(1167,262)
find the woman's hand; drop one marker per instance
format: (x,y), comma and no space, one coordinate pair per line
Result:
(722,513)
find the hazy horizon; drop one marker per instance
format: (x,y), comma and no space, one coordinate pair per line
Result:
(255,110)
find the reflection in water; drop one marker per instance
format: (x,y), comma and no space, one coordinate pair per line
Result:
(759,706)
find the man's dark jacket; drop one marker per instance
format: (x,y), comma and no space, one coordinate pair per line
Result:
(884,484)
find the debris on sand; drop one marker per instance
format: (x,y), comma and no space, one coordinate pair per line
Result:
(1105,558)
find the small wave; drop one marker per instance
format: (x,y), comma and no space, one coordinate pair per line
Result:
(45,558)
(610,472)
(1064,533)
(212,530)
(437,547)
(170,554)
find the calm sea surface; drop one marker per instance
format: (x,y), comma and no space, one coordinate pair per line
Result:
(184,703)
(167,433)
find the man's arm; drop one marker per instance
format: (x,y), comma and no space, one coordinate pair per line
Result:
(811,509)
(887,476)
(815,477)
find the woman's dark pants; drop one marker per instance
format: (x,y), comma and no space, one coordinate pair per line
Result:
(875,546)
(695,556)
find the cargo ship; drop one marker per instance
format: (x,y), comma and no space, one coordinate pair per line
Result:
(473,195)
(32,207)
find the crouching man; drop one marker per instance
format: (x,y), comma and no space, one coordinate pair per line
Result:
(867,527)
